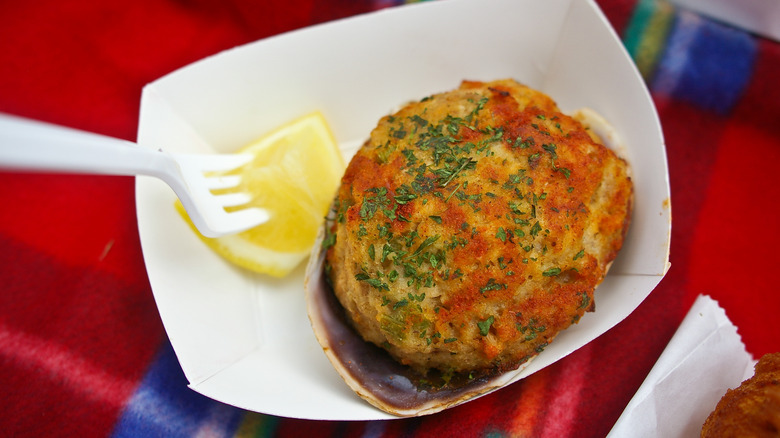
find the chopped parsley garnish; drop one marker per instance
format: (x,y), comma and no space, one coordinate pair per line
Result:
(531,330)
(492,285)
(400,304)
(552,272)
(373,203)
(484,326)
(404,194)
(585,300)
(426,243)
(330,240)
(566,172)
(373,282)
(419,120)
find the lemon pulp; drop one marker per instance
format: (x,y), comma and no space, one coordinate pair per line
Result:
(294,175)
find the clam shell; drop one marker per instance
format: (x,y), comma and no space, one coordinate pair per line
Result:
(370,371)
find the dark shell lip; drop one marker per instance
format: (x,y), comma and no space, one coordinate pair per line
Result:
(370,371)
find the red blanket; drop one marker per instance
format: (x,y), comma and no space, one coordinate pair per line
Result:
(82,348)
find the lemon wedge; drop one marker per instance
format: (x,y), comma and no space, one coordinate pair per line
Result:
(294,175)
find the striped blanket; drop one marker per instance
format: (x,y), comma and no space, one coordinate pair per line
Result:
(83,351)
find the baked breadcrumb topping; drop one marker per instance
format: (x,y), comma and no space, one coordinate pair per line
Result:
(473,226)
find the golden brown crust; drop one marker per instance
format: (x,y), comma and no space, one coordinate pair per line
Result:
(474,225)
(753,408)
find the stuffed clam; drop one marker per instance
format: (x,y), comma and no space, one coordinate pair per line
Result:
(470,229)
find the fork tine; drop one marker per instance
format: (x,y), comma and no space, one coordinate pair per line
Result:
(206,209)
(222,182)
(242,220)
(233,199)
(212,220)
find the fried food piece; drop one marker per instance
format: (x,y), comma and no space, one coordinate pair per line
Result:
(473,226)
(753,408)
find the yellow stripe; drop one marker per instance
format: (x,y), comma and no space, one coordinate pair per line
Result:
(651,45)
(256,425)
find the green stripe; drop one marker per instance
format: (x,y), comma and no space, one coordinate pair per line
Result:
(256,425)
(646,34)
(636,26)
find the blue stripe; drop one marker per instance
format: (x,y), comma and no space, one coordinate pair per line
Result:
(706,63)
(163,406)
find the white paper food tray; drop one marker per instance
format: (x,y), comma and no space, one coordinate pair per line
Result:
(245,339)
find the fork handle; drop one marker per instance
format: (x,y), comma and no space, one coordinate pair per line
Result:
(37,146)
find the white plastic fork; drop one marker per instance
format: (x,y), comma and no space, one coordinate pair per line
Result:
(36,146)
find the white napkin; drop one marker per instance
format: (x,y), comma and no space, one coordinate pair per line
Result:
(704,358)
